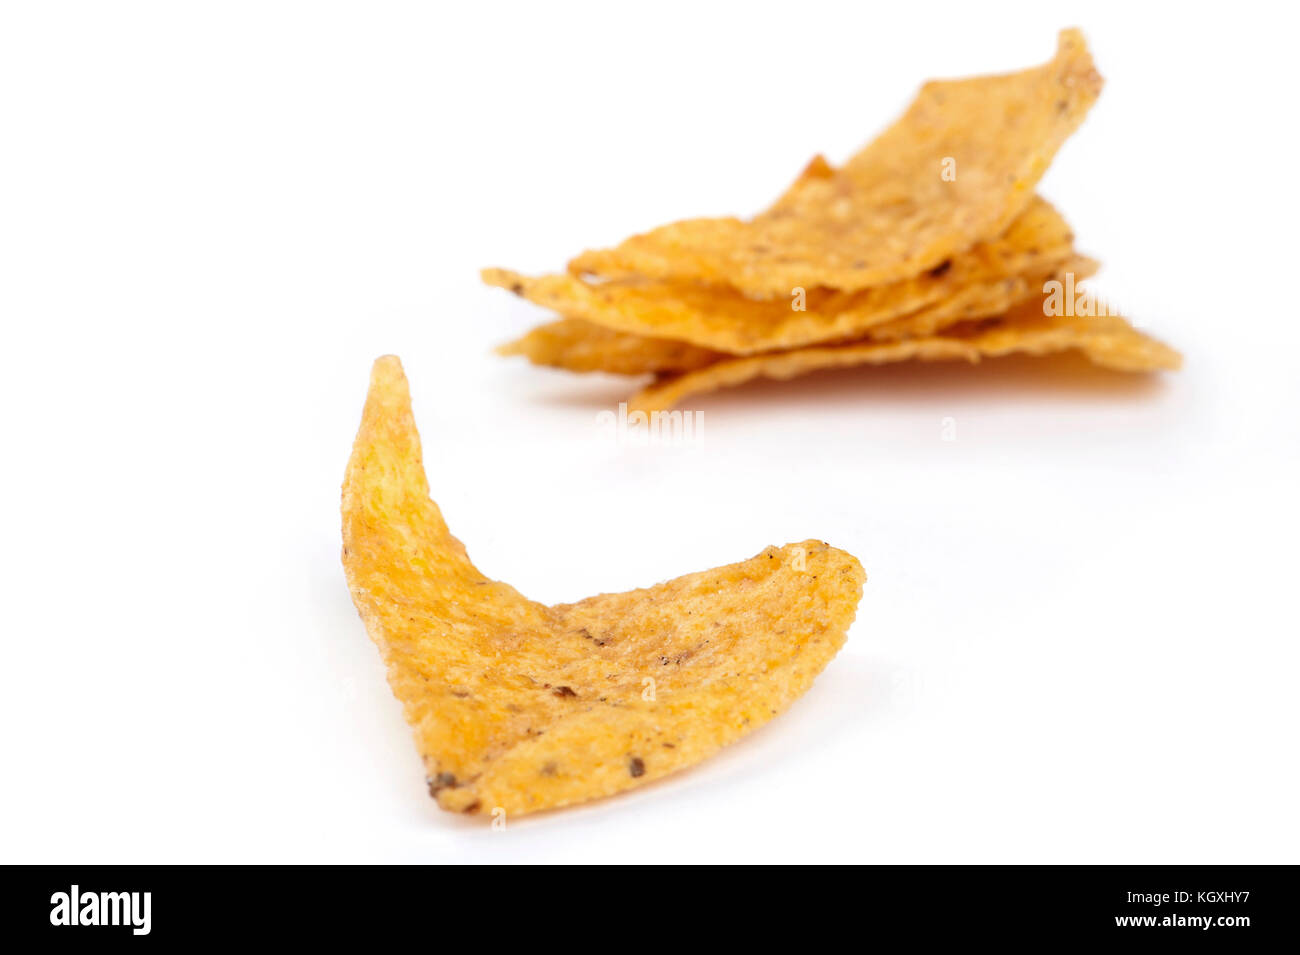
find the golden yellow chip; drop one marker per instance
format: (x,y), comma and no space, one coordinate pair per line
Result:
(983,300)
(577,345)
(1109,341)
(955,169)
(817,168)
(581,346)
(723,319)
(519,706)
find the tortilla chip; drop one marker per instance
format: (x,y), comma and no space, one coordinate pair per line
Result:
(577,345)
(525,707)
(817,168)
(723,319)
(889,213)
(1108,341)
(982,300)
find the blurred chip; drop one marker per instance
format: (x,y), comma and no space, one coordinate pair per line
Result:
(983,300)
(955,169)
(577,345)
(723,319)
(908,250)
(1109,341)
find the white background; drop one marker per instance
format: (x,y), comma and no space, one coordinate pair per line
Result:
(1078,642)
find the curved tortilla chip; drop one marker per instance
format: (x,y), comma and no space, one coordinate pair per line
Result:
(889,213)
(724,319)
(1107,341)
(525,707)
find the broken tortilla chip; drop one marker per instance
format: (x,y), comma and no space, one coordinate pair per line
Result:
(1109,341)
(956,168)
(521,707)
(723,319)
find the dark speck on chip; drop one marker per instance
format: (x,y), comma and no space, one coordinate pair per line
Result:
(440,782)
(636,766)
(564,691)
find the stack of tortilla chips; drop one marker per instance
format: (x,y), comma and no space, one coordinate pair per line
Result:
(928,244)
